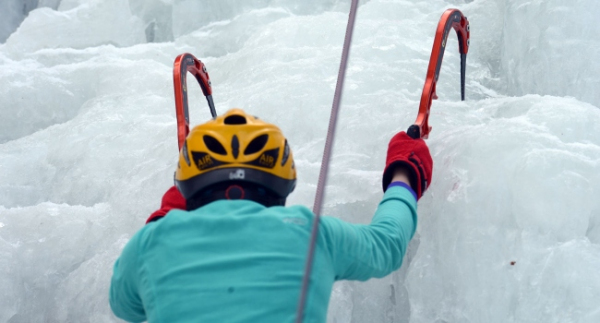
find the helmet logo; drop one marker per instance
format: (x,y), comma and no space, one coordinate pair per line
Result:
(267,159)
(205,161)
(237,174)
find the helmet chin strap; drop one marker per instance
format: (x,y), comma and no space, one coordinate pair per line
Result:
(235,191)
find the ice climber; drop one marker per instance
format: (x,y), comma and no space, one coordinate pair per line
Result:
(224,248)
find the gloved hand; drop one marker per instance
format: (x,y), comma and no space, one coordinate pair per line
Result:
(403,151)
(171,200)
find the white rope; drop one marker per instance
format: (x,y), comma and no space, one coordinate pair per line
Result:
(325,162)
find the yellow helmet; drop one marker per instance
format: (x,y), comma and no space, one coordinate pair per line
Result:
(235,148)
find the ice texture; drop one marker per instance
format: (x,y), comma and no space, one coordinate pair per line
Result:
(557,52)
(91,24)
(509,230)
(13,12)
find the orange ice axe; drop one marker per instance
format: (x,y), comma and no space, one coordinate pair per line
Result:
(451,18)
(185,63)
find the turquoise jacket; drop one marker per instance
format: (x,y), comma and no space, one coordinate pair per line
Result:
(238,261)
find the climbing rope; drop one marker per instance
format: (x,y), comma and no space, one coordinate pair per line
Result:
(325,162)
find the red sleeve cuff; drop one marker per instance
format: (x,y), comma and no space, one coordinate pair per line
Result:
(156,215)
(171,200)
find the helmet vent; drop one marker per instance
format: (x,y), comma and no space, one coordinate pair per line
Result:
(257,144)
(286,153)
(235,119)
(185,153)
(235,146)
(214,145)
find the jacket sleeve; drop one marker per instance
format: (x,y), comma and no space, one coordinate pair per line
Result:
(124,295)
(361,252)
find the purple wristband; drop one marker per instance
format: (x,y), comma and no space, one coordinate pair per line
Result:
(406,186)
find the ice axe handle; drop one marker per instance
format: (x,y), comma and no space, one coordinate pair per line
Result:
(183,64)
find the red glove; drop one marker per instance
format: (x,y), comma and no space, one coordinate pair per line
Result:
(412,154)
(171,200)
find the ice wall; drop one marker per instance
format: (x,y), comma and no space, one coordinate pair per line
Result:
(13,12)
(508,232)
(552,48)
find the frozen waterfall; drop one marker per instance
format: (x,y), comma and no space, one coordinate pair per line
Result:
(508,232)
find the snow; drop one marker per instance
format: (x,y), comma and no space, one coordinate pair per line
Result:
(509,230)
